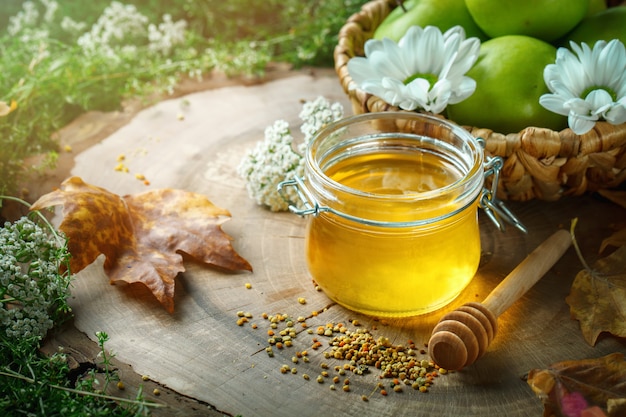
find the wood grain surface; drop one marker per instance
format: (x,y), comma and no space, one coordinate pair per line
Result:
(195,143)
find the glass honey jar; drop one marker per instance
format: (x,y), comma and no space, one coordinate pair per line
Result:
(392,202)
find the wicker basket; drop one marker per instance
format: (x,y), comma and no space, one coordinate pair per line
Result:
(539,163)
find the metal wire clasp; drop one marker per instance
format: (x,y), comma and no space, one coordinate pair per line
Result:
(493,207)
(310,205)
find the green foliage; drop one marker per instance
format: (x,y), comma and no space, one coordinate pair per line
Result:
(53,74)
(38,385)
(313,30)
(34,288)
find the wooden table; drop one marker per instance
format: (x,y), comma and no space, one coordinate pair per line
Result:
(195,143)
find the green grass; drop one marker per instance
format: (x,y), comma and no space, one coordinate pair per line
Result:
(32,384)
(51,79)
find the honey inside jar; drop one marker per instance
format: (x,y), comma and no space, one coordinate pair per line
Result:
(395,231)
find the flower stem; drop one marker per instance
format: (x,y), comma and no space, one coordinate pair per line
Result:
(80,392)
(37,212)
(575,244)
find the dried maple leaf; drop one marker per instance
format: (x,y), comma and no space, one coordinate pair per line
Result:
(142,235)
(589,387)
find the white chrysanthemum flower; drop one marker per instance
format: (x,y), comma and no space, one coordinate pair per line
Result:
(588,86)
(424,70)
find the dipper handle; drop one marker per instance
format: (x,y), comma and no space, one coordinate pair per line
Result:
(528,272)
(463,335)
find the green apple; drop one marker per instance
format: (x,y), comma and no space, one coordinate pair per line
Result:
(509,82)
(543,19)
(595,6)
(608,24)
(443,14)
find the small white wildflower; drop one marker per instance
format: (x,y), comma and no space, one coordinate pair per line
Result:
(166,35)
(51,7)
(71,26)
(195,73)
(25,18)
(424,70)
(119,25)
(316,114)
(588,86)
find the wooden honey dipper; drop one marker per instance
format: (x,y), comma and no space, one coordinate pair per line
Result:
(463,335)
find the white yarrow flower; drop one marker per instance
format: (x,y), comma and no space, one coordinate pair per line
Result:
(588,86)
(31,285)
(315,115)
(271,161)
(424,70)
(276,159)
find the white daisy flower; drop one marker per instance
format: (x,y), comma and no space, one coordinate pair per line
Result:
(588,86)
(424,70)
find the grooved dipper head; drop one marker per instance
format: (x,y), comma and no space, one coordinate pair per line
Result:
(462,336)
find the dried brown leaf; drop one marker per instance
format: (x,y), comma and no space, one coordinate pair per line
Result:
(590,387)
(142,235)
(597,298)
(616,239)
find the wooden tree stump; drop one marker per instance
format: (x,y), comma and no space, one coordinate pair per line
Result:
(195,143)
